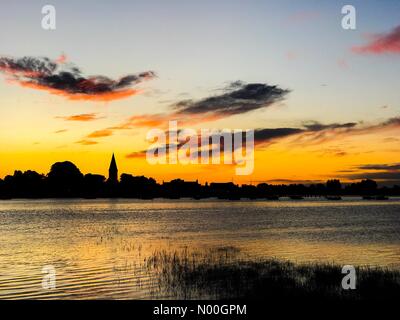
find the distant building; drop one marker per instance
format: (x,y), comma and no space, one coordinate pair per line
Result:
(179,188)
(223,186)
(113,171)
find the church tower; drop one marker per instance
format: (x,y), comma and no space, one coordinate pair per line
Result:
(113,171)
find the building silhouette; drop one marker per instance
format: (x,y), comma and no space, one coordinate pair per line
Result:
(113,171)
(65,180)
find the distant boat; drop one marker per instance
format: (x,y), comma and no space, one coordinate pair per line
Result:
(333,198)
(296,197)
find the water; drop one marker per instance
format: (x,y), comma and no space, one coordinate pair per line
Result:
(99,247)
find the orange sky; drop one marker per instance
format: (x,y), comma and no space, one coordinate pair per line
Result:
(94,88)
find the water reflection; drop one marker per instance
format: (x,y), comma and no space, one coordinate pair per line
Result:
(99,246)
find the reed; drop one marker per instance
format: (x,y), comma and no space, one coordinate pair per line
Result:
(224,274)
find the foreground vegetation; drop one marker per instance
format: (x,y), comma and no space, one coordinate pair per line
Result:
(219,274)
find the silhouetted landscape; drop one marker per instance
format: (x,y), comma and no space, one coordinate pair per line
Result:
(219,274)
(65,180)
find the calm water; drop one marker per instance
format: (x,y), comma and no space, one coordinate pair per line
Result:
(98,247)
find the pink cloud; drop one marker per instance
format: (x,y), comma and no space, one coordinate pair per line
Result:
(381,43)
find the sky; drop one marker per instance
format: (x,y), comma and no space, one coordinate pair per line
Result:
(324,101)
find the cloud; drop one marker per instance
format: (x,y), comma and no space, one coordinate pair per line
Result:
(136,155)
(310,130)
(100,133)
(81,117)
(309,133)
(146,120)
(61,131)
(160,120)
(317,133)
(238,98)
(290,181)
(381,43)
(380,167)
(66,80)
(265,135)
(262,136)
(390,139)
(62,58)
(388,176)
(316,126)
(388,173)
(86,142)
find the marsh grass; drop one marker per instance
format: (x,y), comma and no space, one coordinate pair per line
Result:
(224,274)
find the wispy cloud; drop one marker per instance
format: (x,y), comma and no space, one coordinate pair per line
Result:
(81,117)
(380,167)
(316,133)
(86,142)
(56,77)
(290,181)
(317,126)
(61,131)
(310,133)
(262,137)
(100,133)
(381,43)
(136,155)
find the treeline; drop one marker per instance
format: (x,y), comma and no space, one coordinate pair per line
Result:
(66,180)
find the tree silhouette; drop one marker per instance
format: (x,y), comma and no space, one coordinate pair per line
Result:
(334,186)
(65,179)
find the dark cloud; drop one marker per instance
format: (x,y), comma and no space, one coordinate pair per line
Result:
(376,167)
(67,80)
(316,126)
(386,176)
(237,98)
(262,136)
(395,121)
(388,173)
(265,135)
(290,181)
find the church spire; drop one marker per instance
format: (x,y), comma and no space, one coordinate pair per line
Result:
(113,171)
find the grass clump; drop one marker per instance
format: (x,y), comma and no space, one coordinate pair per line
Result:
(222,274)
